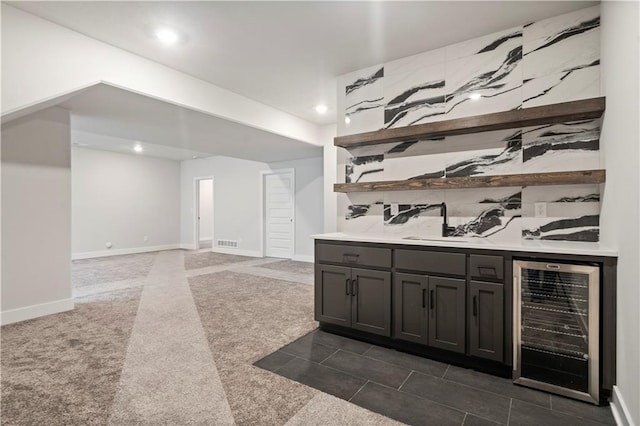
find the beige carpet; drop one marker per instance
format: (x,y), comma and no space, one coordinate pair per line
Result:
(168,338)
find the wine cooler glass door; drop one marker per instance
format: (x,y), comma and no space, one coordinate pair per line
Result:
(556,328)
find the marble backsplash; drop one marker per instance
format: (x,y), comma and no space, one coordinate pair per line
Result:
(545,62)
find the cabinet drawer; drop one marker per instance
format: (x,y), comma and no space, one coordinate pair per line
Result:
(491,267)
(354,255)
(431,261)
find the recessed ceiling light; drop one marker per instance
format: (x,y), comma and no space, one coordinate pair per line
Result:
(138,148)
(475,96)
(347,120)
(167,35)
(321,109)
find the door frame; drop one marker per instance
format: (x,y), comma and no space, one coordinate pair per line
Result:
(263,207)
(196,211)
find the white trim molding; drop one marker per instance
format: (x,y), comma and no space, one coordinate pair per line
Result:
(303,258)
(35,311)
(620,409)
(239,252)
(119,252)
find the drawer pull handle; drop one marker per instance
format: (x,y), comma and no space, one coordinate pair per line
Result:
(432,303)
(424,298)
(475,306)
(553,266)
(350,257)
(487,271)
(348,283)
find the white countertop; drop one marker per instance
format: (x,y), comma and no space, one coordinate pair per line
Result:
(537,246)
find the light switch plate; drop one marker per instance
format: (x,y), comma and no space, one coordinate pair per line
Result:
(540,209)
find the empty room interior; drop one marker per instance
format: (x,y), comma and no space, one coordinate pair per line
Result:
(320,213)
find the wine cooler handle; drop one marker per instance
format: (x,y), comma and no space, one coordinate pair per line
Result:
(553,266)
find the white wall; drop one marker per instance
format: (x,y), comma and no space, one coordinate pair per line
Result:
(236,206)
(206,209)
(309,210)
(121,198)
(330,159)
(42,60)
(36,216)
(621,196)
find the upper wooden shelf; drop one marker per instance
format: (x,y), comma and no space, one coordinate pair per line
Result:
(525,179)
(546,114)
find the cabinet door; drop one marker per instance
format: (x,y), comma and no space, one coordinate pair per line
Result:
(486,320)
(447,313)
(410,303)
(332,295)
(371,302)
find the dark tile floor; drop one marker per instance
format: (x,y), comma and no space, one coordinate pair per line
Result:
(420,391)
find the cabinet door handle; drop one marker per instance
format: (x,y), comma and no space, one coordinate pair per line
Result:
(432,303)
(475,306)
(355,287)
(424,297)
(348,282)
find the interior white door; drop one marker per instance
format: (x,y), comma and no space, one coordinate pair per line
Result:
(279,205)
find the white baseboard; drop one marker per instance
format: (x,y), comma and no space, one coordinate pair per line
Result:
(188,246)
(206,240)
(303,258)
(239,252)
(620,409)
(35,311)
(119,252)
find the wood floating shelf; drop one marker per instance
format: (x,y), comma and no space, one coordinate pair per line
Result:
(526,179)
(535,116)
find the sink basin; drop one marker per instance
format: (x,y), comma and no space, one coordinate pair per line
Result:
(441,239)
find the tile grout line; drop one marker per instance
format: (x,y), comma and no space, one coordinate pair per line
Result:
(445,371)
(357,392)
(332,354)
(464,419)
(509,415)
(405,380)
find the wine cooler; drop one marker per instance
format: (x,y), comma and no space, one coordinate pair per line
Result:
(556,328)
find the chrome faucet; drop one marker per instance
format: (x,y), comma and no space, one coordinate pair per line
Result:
(446,229)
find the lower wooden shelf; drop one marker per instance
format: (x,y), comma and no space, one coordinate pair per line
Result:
(523,179)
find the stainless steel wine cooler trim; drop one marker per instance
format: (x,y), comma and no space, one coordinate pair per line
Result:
(593,394)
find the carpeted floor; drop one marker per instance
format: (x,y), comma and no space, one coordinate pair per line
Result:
(169,338)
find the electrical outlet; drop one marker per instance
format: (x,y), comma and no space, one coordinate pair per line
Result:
(145,238)
(540,209)
(395,209)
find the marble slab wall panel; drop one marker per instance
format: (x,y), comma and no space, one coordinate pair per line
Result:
(494,75)
(544,62)
(413,213)
(561,147)
(360,213)
(573,213)
(561,58)
(414,96)
(493,213)
(363,100)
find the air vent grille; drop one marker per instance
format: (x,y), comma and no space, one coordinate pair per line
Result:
(227,243)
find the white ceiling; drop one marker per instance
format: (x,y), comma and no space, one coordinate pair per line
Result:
(287,54)
(109,118)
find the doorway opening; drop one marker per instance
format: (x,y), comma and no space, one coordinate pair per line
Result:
(278,218)
(203,213)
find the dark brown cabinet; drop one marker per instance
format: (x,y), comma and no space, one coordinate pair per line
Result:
(410,303)
(354,297)
(447,313)
(486,320)
(430,310)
